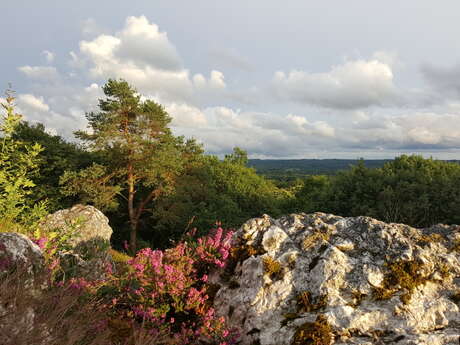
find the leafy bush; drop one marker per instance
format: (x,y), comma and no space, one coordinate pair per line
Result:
(18,163)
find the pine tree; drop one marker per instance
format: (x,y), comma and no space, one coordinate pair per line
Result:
(144,157)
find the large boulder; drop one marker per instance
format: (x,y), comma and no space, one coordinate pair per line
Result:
(323,279)
(85,222)
(88,233)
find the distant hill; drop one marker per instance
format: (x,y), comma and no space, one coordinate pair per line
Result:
(289,169)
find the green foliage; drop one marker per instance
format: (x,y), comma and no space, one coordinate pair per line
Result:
(213,190)
(18,163)
(410,189)
(57,156)
(93,186)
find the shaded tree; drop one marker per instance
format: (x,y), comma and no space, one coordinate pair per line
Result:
(58,156)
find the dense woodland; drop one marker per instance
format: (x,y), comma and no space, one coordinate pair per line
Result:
(155,186)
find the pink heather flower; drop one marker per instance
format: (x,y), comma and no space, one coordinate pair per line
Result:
(218,236)
(109,268)
(41,242)
(204,278)
(54,264)
(138,267)
(224,253)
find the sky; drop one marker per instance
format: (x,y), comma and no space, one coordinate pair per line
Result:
(292,79)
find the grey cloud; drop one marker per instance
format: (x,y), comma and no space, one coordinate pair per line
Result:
(443,79)
(229,58)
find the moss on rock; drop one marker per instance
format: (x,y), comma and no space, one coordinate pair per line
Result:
(314,333)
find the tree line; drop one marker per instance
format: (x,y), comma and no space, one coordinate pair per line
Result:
(154,186)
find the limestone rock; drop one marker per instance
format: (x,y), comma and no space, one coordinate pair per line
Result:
(19,252)
(89,233)
(21,267)
(367,281)
(87,223)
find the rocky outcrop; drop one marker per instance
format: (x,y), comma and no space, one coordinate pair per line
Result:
(85,222)
(21,274)
(89,235)
(18,252)
(323,279)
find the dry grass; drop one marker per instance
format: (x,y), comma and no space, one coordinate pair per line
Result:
(34,315)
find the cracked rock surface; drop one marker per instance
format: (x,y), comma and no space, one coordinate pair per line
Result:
(374,282)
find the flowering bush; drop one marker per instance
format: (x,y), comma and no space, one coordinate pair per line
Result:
(166,292)
(156,297)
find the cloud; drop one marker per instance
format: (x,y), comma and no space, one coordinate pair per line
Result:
(143,55)
(33,102)
(230,58)
(410,131)
(42,73)
(143,44)
(352,85)
(351,109)
(35,109)
(443,79)
(184,115)
(49,56)
(90,27)
(258,132)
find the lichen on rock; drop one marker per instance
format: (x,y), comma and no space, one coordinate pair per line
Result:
(366,281)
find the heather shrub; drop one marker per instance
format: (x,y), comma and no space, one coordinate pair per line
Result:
(156,297)
(166,293)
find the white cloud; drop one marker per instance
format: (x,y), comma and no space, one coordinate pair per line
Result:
(354,84)
(419,130)
(143,55)
(217,80)
(90,27)
(184,115)
(42,73)
(257,132)
(49,56)
(33,102)
(143,44)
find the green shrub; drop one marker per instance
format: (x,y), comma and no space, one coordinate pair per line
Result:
(18,164)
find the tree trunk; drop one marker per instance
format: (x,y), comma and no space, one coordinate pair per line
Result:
(133,238)
(133,220)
